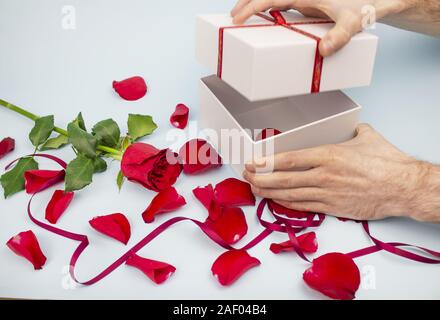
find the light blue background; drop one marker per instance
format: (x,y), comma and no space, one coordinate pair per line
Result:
(54,71)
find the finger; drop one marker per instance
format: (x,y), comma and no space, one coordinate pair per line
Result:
(292,160)
(346,26)
(251,8)
(312,12)
(307,206)
(239,5)
(282,179)
(363,128)
(256,6)
(300,194)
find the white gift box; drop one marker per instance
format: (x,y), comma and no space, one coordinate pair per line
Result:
(262,60)
(232,123)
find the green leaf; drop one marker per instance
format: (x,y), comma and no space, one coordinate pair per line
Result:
(120,180)
(79,121)
(83,142)
(55,143)
(79,173)
(140,126)
(107,132)
(13,180)
(41,131)
(99,165)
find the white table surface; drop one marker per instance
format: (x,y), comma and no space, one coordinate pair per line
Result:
(50,70)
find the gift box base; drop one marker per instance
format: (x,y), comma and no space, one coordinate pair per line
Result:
(232,123)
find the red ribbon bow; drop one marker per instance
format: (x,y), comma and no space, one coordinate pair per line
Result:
(277,19)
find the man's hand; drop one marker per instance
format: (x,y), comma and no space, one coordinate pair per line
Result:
(347,14)
(364,178)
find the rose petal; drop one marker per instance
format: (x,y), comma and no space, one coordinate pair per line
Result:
(205,195)
(234,192)
(39,180)
(290,213)
(157,271)
(6,145)
(114,225)
(267,133)
(166,170)
(335,275)
(231,265)
(25,244)
(179,118)
(152,168)
(165,201)
(307,243)
(131,89)
(57,205)
(230,225)
(198,156)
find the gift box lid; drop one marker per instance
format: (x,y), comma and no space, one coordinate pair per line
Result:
(263,60)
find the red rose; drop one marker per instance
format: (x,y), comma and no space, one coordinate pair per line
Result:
(153,168)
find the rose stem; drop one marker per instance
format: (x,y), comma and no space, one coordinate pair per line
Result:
(116,154)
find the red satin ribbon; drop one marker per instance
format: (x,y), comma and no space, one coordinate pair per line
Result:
(277,20)
(281,224)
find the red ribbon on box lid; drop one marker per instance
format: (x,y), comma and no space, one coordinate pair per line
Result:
(277,19)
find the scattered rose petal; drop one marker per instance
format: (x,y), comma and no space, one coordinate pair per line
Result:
(114,225)
(153,168)
(205,195)
(57,205)
(165,201)
(25,244)
(6,145)
(290,213)
(131,89)
(267,133)
(231,265)
(307,243)
(38,180)
(179,118)
(230,225)
(157,271)
(234,192)
(335,275)
(199,156)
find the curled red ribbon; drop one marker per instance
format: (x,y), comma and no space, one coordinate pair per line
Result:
(281,224)
(277,20)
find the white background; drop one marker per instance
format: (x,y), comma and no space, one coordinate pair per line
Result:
(50,70)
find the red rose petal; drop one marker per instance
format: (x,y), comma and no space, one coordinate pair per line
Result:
(199,156)
(290,213)
(114,225)
(231,265)
(131,89)
(38,180)
(153,168)
(230,225)
(205,195)
(57,205)
(335,275)
(267,133)
(234,192)
(307,243)
(179,118)
(25,244)
(165,201)
(6,145)
(157,271)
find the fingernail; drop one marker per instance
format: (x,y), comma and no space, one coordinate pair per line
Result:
(260,162)
(326,47)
